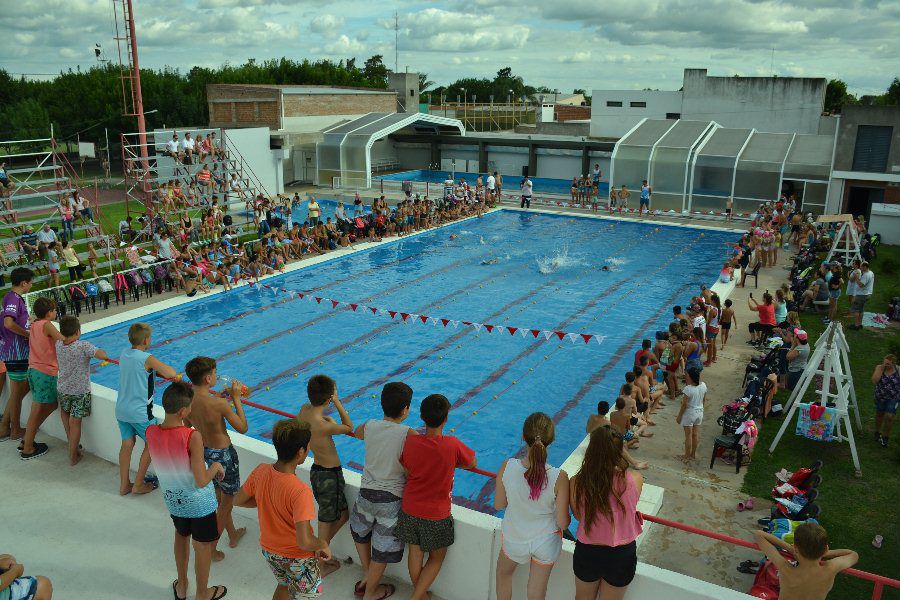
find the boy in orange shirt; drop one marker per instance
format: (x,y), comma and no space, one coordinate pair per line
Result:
(285,508)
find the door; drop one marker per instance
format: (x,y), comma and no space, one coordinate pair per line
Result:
(305,165)
(860,200)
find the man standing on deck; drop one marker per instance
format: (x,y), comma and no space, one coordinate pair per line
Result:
(491,186)
(527,189)
(646,190)
(596,177)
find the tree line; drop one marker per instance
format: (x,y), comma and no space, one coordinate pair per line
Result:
(837,96)
(84,103)
(87,104)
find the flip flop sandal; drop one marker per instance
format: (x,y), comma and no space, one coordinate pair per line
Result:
(175,592)
(216,595)
(750,567)
(877,542)
(748,503)
(359,588)
(741,507)
(389,591)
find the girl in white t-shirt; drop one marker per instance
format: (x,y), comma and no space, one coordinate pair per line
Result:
(536,498)
(691,413)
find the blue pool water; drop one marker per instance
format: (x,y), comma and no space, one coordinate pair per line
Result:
(510,182)
(547,277)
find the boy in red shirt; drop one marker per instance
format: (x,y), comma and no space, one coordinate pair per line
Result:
(425,522)
(285,508)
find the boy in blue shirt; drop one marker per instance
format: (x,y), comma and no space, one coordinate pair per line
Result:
(134,405)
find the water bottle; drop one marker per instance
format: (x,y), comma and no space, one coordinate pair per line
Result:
(227,382)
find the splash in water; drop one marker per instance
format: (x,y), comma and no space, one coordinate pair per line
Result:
(616,261)
(559,260)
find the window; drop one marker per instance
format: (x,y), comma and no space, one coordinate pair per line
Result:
(673,115)
(614,103)
(638,104)
(412,93)
(873,144)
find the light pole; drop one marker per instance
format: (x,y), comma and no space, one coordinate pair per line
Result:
(464,104)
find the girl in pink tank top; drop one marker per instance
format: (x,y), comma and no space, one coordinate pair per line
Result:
(603,498)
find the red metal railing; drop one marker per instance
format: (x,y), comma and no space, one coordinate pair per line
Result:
(879,580)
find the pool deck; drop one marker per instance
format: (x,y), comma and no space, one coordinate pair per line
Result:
(693,495)
(68,525)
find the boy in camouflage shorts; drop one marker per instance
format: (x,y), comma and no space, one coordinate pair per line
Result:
(73,386)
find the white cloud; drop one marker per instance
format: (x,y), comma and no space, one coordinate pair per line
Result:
(617,44)
(344,46)
(438,30)
(326,24)
(577,57)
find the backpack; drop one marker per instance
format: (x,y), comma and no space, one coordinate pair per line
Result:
(90,288)
(135,279)
(121,282)
(146,275)
(77,293)
(667,356)
(104,285)
(160,272)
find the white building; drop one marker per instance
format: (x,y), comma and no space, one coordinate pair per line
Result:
(775,104)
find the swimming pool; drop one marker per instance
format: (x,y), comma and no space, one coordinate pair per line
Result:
(510,182)
(548,276)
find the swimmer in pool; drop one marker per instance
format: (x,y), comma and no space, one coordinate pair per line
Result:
(453,236)
(605,268)
(491,261)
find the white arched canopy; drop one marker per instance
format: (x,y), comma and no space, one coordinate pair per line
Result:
(346,150)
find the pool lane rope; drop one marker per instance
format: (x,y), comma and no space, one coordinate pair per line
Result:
(410,317)
(549,355)
(301,368)
(624,248)
(362,392)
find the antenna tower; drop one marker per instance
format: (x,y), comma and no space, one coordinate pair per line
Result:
(129,72)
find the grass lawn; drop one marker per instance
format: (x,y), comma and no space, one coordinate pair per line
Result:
(854,509)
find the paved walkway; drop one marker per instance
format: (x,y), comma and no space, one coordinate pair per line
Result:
(696,495)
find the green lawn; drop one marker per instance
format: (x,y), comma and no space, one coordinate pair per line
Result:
(854,509)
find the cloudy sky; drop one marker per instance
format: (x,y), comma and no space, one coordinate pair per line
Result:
(564,44)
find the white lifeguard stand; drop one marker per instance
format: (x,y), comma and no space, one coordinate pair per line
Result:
(846,241)
(831,360)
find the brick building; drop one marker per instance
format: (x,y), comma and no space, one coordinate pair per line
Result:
(287,107)
(567,112)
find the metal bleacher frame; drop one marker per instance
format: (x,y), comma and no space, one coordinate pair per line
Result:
(144,176)
(42,177)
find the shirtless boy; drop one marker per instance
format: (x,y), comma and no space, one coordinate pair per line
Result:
(817,565)
(621,420)
(209,414)
(602,420)
(641,405)
(726,320)
(654,391)
(326,474)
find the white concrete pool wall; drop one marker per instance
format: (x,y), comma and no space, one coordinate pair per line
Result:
(468,571)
